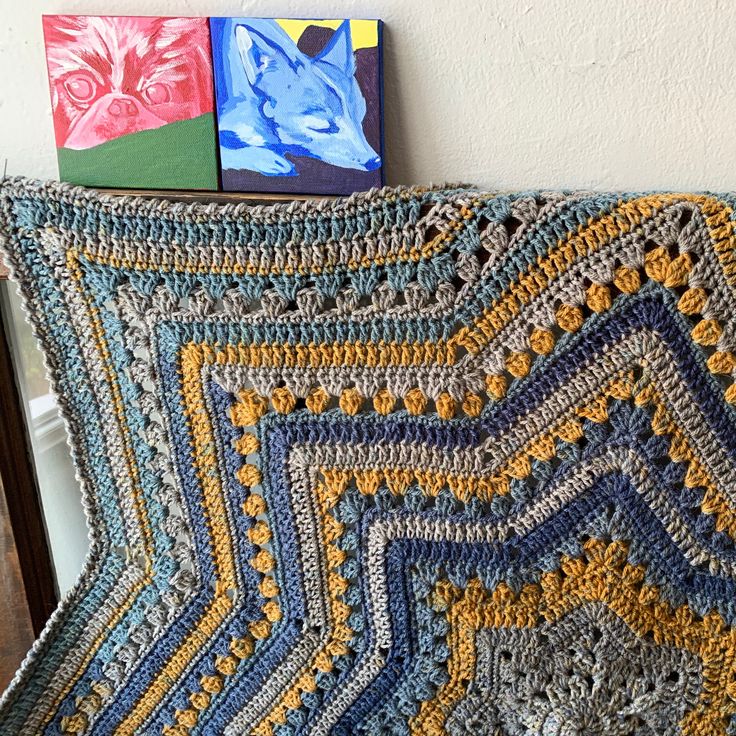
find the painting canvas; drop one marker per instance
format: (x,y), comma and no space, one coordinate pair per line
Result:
(298,104)
(133,101)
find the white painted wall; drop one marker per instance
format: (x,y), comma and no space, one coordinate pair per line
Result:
(632,94)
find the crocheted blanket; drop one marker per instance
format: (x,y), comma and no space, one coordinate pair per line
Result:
(412,462)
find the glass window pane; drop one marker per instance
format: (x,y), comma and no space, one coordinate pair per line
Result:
(59,488)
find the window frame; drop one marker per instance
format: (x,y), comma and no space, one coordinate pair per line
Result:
(20,486)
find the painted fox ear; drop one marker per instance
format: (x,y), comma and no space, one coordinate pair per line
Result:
(259,54)
(339,51)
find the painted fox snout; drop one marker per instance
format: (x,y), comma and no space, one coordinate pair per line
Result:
(347,147)
(372,163)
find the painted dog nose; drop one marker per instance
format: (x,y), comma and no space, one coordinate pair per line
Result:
(122,107)
(372,163)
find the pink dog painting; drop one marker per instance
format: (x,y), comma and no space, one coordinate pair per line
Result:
(118,79)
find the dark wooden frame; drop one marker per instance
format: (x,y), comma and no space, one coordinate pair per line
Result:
(21,494)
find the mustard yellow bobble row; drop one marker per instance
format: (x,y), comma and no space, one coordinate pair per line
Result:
(245,413)
(340,633)
(225,666)
(252,406)
(659,266)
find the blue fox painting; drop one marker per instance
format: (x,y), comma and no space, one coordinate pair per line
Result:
(291,120)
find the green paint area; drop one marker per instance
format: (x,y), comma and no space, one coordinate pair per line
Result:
(179,155)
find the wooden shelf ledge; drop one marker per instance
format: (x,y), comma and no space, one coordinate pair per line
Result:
(205,197)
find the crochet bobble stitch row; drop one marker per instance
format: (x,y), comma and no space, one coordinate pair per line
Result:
(415,462)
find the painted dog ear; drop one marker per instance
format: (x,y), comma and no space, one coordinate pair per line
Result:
(260,54)
(339,51)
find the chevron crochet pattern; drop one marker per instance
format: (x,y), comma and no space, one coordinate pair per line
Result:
(412,462)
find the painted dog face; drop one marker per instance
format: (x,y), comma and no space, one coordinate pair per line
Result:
(111,76)
(313,105)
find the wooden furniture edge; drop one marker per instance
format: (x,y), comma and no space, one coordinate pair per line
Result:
(21,494)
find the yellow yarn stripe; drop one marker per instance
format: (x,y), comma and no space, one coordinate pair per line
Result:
(215,513)
(72,262)
(405,253)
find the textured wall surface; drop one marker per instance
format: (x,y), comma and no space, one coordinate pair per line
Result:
(529,93)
